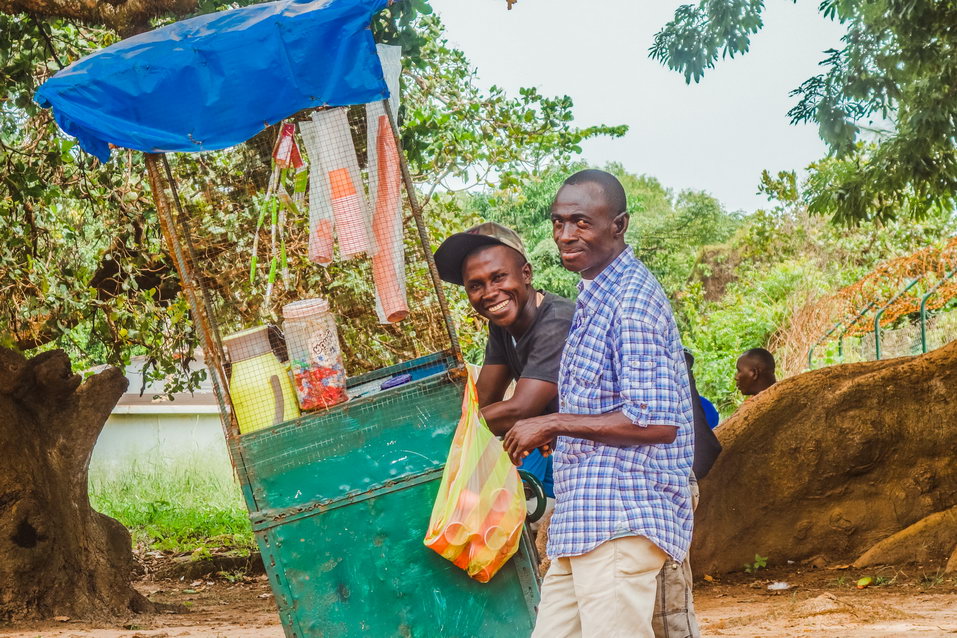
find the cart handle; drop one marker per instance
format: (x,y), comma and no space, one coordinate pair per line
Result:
(539,490)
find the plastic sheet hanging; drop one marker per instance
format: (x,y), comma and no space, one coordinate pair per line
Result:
(385,182)
(479,511)
(336,194)
(213,81)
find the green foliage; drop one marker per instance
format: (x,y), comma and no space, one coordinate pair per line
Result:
(190,509)
(752,309)
(81,256)
(759,562)
(694,39)
(743,292)
(892,80)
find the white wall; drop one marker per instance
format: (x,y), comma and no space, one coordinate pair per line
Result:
(160,442)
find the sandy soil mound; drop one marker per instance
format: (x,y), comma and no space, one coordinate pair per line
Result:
(827,464)
(928,540)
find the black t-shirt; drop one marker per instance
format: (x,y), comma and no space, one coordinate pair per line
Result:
(538,353)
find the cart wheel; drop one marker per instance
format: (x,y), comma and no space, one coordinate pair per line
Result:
(533,485)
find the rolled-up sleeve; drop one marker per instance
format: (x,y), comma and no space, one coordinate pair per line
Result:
(650,384)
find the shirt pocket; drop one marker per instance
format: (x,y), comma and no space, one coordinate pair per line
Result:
(641,373)
(587,376)
(570,450)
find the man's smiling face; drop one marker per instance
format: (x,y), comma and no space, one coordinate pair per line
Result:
(498,283)
(588,233)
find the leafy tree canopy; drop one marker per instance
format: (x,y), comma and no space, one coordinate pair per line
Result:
(884,102)
(82,262)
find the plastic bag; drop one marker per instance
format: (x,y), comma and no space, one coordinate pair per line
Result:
(385,184)
(336,192)
(479,511)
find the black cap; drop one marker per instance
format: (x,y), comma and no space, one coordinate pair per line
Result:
(453,251)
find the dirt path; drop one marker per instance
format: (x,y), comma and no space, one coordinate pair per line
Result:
(820,604)
(827,604)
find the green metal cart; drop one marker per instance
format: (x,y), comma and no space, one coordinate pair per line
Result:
(340,502)
(339,499)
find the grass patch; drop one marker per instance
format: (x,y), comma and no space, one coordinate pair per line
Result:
(189,509)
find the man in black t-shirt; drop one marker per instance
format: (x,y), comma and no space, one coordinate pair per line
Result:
(526,332)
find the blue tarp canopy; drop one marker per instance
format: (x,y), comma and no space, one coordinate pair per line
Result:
(216,80)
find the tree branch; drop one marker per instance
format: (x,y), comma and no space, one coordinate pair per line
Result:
(127,17)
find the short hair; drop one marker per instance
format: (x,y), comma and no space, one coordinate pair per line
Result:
(610,187)
(762,356)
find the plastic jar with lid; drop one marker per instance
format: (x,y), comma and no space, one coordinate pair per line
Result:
(314,355)
(259,386)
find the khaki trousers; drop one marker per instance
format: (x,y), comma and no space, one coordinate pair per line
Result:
(607,593)
(674,608)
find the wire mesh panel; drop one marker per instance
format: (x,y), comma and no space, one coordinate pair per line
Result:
(305,261)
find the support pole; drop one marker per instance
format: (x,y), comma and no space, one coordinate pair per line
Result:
(194,295)
(880,313)
(923,309)
(424,238)
(857,317)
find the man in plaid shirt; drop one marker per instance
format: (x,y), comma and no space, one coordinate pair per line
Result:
(623,436)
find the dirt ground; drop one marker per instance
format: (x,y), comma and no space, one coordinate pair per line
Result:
(818,603)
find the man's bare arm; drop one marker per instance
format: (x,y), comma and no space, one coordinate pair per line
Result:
(492,382)
(613,428)
(530,398)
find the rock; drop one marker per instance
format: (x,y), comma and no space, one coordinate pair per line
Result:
(830,462)
(931,539)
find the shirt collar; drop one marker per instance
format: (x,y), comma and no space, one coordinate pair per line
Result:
(604,284)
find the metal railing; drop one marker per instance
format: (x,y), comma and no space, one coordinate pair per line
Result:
(923,308)
(877,320)
(880,313)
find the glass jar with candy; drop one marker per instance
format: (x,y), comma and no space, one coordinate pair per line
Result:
(315,358)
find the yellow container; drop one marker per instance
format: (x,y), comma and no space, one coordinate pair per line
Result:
(259,385)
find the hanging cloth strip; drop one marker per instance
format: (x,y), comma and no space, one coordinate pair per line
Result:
(385,181)
(337,189)
(321,234)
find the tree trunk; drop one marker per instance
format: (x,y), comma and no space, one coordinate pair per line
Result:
(58,557)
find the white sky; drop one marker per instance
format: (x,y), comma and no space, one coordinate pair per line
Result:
(715,136)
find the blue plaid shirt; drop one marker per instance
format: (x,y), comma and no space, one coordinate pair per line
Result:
(623,354)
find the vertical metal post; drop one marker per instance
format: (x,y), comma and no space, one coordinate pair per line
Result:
(424,237)
(880,313)
(810,353)
(850,325)
(923,309)
(193,292)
